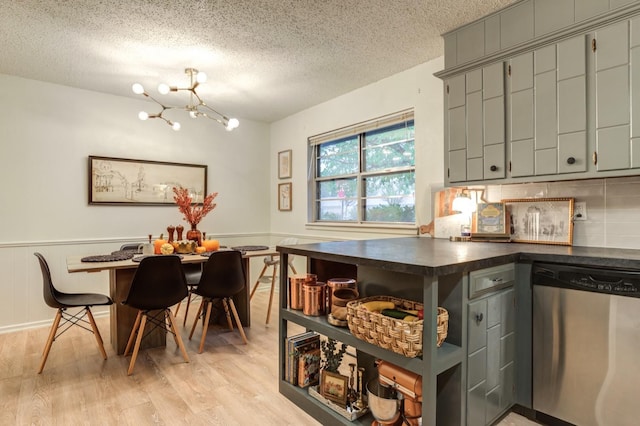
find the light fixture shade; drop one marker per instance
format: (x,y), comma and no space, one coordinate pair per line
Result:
(201,77)
(175,126)
(463,204)
(163,88)
(137,88)
(232,124)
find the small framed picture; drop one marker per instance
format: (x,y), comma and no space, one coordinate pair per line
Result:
(284,164)
(284,197)
(541,220)
(335,387)
(490,219)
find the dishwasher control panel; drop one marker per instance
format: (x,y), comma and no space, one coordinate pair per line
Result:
(599,280)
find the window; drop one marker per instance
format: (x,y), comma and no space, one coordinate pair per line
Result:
(365,173)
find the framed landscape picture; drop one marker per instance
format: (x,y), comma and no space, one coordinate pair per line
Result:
(541,220)
(121,181)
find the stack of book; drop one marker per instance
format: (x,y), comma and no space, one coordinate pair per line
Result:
(302,365)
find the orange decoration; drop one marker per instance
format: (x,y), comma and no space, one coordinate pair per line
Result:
(157,244)
(200,250)
(211,245)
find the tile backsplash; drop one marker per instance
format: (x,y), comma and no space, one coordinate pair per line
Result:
(613,207)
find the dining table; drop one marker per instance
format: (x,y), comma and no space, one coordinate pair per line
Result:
(121,272)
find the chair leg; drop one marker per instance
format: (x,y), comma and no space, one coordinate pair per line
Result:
(205,326)
(177,308)
(96,333)
(255,286)
(186,312)
(227,314)
(172,323)
(195,321)
(50,339)
(136,324)
(273,285)
(136,348)
(235,315)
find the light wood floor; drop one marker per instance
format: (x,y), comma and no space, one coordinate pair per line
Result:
(228,384)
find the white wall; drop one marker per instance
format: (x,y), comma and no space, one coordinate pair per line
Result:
(46,134)
(415,88)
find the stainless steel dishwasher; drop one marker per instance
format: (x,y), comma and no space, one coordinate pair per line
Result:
(586,344)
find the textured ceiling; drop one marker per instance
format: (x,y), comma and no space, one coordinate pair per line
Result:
(265,59)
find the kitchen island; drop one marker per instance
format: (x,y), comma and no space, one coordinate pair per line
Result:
(436,273)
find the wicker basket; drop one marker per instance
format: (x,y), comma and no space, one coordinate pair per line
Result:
(402,337)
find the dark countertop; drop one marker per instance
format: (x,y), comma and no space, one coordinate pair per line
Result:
(427,256)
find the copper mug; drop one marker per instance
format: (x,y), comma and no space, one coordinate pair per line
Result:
(296,299)
(315,298)
(334,284)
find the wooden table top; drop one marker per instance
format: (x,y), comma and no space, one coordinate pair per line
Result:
(75,263)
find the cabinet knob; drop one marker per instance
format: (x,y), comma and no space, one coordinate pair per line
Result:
(571,160)
(479,317)
(493,168)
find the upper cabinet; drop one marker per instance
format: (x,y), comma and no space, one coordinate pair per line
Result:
(544,89)
(475,125)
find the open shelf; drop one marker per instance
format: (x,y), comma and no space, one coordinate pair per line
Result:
(447,355)
(322,413)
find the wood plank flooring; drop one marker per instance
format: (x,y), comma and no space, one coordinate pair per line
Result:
(228,384)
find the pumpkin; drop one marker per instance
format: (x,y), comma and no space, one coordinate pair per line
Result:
(200,250)
(157,244)
(166,248)
(211,245)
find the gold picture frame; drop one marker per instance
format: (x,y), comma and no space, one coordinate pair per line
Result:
(541,220)
(335,387)
(284,197)
(284,164)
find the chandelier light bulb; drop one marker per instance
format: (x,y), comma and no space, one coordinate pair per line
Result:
(201,77)
(163,88)
(175,126)
(232,124)
(193,114)
(143,115)
(137,88)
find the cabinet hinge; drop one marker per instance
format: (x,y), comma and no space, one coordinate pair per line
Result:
(593,45)
(509,71)
(447,89)
(448,172)
(595,158)
(509,166)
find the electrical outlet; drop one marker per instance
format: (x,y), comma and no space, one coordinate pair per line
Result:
(580,210)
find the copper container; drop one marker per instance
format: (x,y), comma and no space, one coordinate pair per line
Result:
(296,300)
(315,298)
(334,284)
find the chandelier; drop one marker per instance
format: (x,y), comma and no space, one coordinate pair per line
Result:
(196,107)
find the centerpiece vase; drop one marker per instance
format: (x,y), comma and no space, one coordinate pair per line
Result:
(194,234)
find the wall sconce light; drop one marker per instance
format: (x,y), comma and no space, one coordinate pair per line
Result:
(196,107)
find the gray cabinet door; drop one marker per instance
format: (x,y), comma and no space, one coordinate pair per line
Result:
(494,161)
(613,97)
(477,328)
(572,109)
(490,356)
(494,124)
(456,129)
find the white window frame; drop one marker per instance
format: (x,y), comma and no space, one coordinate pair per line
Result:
(355,130)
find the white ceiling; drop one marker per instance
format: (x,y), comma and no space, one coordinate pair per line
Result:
(265,59)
